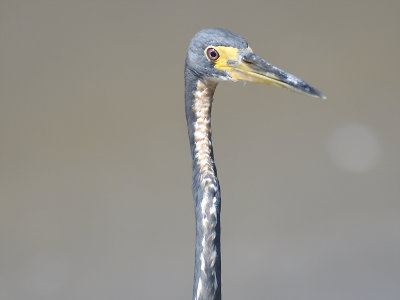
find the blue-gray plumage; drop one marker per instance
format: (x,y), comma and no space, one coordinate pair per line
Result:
(216,55)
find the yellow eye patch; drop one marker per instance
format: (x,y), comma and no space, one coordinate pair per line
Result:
(228,57)
(225,54)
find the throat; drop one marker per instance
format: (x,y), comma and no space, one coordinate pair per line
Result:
(203,151)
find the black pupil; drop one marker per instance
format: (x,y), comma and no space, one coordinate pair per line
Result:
(213,53)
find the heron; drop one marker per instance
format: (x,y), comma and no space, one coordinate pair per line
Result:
(215,55)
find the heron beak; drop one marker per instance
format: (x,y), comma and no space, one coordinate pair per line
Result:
(250,67)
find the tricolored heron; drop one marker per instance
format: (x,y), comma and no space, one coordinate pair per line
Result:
(216,55)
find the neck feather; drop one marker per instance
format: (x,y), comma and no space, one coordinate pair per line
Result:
(206,193)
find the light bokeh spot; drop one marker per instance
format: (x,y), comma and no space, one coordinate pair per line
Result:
(354,147)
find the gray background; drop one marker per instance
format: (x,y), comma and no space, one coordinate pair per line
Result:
(95,172)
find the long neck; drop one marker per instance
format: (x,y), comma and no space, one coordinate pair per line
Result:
(206,192)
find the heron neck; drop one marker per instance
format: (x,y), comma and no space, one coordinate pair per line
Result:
(205,187)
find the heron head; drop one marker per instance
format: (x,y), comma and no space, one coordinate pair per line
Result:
(219,54)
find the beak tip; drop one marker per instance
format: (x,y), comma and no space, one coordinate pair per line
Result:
(316,93)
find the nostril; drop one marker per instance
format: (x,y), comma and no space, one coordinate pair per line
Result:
(247,60)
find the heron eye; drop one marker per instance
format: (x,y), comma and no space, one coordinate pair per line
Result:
(212,54)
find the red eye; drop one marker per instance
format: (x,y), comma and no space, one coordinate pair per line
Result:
(212,54)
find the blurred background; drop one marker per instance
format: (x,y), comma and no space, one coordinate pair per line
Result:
(95,170)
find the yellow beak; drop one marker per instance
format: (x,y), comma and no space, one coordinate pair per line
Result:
(247,66)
